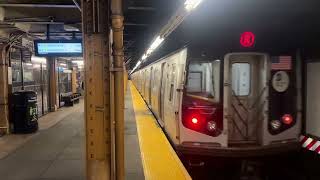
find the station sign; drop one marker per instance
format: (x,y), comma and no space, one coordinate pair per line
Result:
(58,48)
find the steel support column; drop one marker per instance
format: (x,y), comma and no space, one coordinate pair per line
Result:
(52,84)
(4,112)
(118,70)
(96,29)
(74,80)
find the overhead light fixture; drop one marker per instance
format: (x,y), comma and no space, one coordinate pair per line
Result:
(28,64)
(144,57)
(156,43)
(137,65)
(36,59)
(191,4)
(78,62)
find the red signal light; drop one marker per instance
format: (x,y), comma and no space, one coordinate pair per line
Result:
(194,120)
(247,39)
(287,119)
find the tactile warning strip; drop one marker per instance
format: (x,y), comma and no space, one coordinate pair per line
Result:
(160,162)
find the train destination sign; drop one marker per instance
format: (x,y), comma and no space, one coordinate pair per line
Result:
(53,48)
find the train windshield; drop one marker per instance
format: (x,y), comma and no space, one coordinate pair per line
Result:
(203,80)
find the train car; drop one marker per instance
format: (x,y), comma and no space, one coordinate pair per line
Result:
(221,90)
(224,107)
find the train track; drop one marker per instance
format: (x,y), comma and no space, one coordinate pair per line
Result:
(282,167)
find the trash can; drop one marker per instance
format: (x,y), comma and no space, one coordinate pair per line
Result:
(24,112)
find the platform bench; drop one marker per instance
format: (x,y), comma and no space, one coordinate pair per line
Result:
(70,98)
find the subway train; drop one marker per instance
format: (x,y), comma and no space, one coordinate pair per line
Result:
(222,88)
(242,105)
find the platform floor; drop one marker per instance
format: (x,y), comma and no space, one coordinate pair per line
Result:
(57,150)
(133,163)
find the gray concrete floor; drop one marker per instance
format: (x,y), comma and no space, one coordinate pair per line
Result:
(58,153)
(53,154)
(133,164)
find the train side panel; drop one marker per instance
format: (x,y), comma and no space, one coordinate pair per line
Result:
(175,71)
(155,89)
(161,86)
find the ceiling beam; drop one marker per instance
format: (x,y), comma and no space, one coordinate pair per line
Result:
(141,8)
(42,22)
(72,6)
(135,24)
(40,5)
(60,22)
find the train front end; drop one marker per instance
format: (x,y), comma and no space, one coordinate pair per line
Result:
(243,105)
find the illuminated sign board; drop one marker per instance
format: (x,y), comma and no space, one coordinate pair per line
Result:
(62,48)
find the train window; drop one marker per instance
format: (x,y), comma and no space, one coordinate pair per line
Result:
(241,79)
(173,74)
(203,79)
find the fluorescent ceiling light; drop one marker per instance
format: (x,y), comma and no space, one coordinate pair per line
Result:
(191,4)
(28,64)
(36,59)
(156,43)
(79,63)
(144,57)
(137,65)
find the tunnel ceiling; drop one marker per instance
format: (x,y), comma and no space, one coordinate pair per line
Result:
(143,18)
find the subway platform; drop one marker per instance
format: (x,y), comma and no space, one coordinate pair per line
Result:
(57,150)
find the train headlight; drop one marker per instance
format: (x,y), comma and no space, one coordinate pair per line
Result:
(211,126)
(275,124)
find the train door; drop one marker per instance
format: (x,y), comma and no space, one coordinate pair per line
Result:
(169,119)
(162,90)
(245,97)
(142,81)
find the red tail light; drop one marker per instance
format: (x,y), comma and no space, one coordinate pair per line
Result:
(287,119)
(194,120)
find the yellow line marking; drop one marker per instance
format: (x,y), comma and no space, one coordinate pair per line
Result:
(160,162)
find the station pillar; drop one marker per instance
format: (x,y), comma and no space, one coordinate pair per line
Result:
(97,63)
(52,84)
(118,75)
(74,80)
(4,110)
(104,88)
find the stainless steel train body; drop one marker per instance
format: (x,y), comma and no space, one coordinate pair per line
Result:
(236,106)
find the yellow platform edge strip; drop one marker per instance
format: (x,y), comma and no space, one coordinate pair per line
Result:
(160,161)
